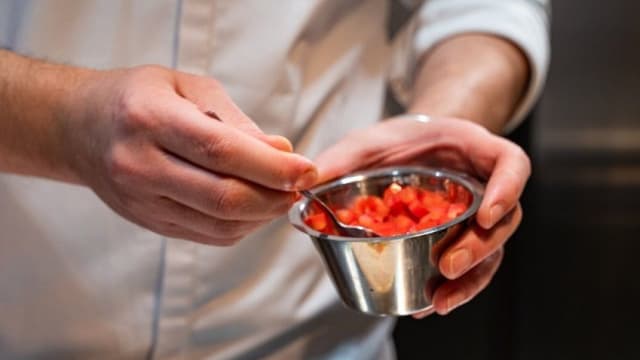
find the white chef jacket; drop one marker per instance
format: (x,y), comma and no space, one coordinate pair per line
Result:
(78,281)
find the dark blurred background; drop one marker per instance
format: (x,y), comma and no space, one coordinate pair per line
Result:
(568,287)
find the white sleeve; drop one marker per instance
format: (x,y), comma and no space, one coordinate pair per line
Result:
(523,22)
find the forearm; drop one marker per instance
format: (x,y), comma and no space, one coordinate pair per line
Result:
(33,98)
(477,77)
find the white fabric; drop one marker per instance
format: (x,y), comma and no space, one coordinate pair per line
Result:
(77,281)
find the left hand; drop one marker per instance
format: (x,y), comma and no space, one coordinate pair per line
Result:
(470,262)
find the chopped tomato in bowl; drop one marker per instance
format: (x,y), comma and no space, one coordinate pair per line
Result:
(418,212)
(401,209)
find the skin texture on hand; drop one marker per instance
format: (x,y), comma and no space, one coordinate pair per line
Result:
(140,140)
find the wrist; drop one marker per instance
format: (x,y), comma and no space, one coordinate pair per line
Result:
(77,114)
(477,77)
(34,97)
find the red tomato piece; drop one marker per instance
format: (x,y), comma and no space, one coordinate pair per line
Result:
(426,223)
(417,209)
(384,229)
(408,194)
(346,216)
(391,190)
(400,210)
(455,210)
(317,221)
(372,206)
(378,207)
(403,224)
(366,221)
(432,198)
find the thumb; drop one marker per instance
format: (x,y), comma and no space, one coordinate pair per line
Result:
(505,185)
(278,142)
(347,155)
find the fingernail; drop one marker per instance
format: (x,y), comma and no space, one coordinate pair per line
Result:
(454,300)
(281,143)
(495,214)
(425,313)
(459,262)
(306,180)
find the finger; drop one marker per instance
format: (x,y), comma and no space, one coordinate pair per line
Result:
(279,142)
(209,95)
(177,231)
(424,314)
(217,195)
(475,244)
(190,135)
(399,141)
(454,293)
(173,212)
(346,156)
(506,183)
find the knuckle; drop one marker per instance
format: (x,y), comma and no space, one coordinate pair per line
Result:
(226,199)
(217,149)
(120,168)
(131,110)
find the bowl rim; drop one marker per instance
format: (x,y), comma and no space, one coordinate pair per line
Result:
(471,184)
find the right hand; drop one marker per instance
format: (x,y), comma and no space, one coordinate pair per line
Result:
(139,138)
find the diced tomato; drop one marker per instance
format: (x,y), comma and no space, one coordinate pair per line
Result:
(394,188)
(400,210)
(432,198)
(455,210)
(417,209)
(384,228)
(408,194)
(426,223)
(366,221)
(438,211)
(346,216)
(403,224)
(372,206)
(317,221)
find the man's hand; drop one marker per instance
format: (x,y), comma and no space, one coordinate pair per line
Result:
(140,139)
(470,262)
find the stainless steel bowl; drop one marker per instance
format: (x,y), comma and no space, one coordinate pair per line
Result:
(387,275)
